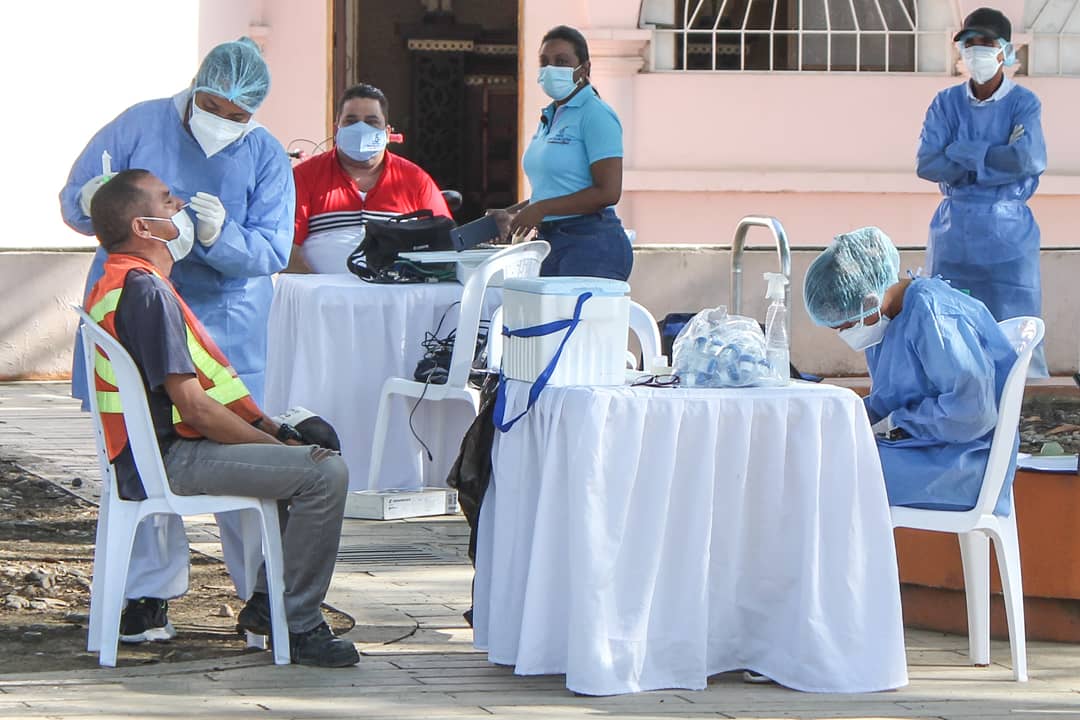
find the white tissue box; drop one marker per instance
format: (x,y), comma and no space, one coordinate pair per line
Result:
(398,504)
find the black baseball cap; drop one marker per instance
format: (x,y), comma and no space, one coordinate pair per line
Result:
(987,22)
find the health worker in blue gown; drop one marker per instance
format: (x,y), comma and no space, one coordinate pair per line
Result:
(982,142)
(204,145)
(938,363)
(238,183)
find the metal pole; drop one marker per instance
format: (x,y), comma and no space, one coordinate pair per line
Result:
(783,254)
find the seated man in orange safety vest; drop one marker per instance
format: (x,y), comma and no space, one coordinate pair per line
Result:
(213,437)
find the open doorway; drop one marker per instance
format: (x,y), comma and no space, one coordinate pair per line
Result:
(449,70)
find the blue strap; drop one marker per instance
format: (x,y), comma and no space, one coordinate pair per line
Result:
(541,381)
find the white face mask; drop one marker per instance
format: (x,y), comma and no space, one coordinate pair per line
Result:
(180,245)
(212,132)
(860,337)
(982,62)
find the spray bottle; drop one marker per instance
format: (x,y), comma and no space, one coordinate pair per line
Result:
(776,329)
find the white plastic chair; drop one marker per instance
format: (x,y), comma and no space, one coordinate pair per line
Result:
(118,518)
(644,327)
(976,527)
(524,260)
(495,340)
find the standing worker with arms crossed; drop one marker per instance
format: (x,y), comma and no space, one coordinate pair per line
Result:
(203,143)
(982,142)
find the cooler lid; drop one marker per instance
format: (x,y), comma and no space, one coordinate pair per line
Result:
(599,287)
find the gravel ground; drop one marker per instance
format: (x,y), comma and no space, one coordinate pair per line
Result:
(1048,419)
(46,561)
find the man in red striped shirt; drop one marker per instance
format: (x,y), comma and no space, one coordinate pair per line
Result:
(337,192)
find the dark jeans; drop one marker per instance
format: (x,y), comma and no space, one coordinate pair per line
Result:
(593,245)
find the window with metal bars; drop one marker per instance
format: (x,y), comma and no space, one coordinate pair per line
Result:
(785,35)
(1055,36)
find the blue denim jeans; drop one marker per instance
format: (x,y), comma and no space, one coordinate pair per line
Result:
(593,245)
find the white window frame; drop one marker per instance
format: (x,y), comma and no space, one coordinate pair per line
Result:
(1057,32)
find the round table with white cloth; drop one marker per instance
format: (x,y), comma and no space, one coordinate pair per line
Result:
(641,538)
(334,340)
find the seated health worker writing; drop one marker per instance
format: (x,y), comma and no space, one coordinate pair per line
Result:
(938,362)
(574,165)
(338,191)
(213,438)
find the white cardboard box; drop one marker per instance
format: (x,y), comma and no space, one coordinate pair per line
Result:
(397,504)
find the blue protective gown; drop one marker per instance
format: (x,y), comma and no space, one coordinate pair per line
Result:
(983,237)
(227,285)
(939,371)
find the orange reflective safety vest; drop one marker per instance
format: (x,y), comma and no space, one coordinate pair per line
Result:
(217,377)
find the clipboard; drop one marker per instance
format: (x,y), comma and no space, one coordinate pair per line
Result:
(1047,463)
(482,230)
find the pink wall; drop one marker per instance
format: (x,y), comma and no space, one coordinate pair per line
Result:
(824,152)
(809,121)
(293,36)
(811,219)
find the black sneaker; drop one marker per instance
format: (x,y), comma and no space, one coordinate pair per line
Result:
(146,620)
(255,616)
(319,647)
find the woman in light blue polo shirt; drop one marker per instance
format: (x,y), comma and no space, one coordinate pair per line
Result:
(574,164)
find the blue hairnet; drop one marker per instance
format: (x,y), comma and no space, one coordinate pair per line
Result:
(237,72)
(1010,52)
(858,264)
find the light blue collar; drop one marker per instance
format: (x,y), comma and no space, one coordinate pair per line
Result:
(1006,86)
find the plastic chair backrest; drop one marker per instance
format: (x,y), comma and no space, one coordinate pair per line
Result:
(528,256)
(1024,333)
(140,427)
(495,340)
(644,326)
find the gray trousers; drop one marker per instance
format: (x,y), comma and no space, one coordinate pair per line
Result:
(312,503)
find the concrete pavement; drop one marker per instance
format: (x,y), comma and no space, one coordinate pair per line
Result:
(406,583)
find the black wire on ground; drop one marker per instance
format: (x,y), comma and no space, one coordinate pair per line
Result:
(433,345)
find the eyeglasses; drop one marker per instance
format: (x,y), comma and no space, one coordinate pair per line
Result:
(661,381)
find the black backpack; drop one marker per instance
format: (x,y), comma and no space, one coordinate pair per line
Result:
(384,239)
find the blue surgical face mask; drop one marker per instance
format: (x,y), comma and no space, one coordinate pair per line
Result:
(360,141)
(862,336)
(557,82)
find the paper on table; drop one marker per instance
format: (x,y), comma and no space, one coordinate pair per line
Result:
(444,256)
(1047,463)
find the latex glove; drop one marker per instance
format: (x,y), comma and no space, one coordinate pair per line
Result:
(1017,133)
(210,214)
(86,193)
(312,428)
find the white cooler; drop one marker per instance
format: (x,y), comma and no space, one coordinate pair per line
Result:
(595,353)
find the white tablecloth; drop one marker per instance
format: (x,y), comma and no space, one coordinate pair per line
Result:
(639,538)
(334,340)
